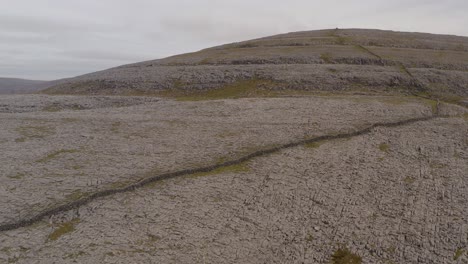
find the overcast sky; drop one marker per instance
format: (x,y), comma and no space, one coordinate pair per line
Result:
(50,39)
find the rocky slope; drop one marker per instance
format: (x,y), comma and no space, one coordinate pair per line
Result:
(326,60)
(386,182)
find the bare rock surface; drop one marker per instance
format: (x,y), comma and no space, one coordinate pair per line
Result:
(58,157)
(327,60)
(395,195)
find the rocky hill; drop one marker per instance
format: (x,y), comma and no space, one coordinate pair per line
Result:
(348,60)
(21,86)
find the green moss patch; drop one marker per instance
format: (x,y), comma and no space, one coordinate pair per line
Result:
(409,180)
(384,147)
(326,57)
(33,132)
(55,154)
(313,145)
(17,176)
(238,168)
(458,253)
(63,229)
(345,256)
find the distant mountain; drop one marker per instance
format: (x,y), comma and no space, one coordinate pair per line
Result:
(22,86)
(335,60)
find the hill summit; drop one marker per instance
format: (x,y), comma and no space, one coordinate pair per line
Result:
(335,60)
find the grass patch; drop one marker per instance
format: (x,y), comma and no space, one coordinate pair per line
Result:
(345,256)
(458,253)
(238,168)
(384,147)
(326,57)
(115,127)
(55,154)
(75,255)
(341,40)
(63,229)
(238,89)
(33,132)
(409,180)
(313,145)
(13,260)
(17,176)
(403,69)
(395,100)
(75,195)
(51,108)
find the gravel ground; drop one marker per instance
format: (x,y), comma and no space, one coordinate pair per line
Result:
(396,194)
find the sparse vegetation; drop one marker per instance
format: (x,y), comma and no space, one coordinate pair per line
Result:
(409,180)
(52,108)
(238,168)
(63,229)
(75,195)
(239,89)
(384,147)
(458,253)
(326,57)
(115,127)
(345,256)
(17,176)
(34,132)
(55,154)
(313,145)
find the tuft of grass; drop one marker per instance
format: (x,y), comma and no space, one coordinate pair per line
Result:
(341,40)
(54,154)
(391,250)
(395,100)
(326,57)
(238,168)
(458,253)
(238,89)
(345,256)
(115,127)
(17,176)
(75,195)
(63,229)
(313,145)
(13,260)
(409,180)
(75,255)
(51,108)
(384,147)
(32,132)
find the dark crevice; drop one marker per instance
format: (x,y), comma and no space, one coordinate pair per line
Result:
(78,203)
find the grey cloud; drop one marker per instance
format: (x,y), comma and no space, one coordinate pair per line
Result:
(54,38)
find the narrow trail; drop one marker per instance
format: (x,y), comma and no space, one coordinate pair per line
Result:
(105,193)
